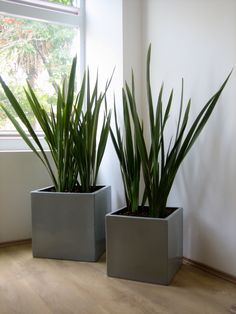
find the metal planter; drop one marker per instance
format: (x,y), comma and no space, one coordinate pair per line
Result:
(69,226)
(144,249)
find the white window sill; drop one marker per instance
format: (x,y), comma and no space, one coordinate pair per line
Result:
(17,144)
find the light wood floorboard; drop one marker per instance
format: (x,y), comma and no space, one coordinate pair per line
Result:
(42,286)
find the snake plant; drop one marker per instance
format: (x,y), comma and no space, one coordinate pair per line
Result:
(70,130)
(160,160)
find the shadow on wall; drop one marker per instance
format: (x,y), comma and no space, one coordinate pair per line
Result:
(205,188)
(109,174)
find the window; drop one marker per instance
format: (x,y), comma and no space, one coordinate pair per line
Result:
(38,40)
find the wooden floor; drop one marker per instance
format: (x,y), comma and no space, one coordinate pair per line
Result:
(41,286)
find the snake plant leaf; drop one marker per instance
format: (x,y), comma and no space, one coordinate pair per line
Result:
(128,155)
(90,138)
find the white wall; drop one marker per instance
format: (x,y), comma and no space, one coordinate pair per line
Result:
(196,40)
(113,39)
(132,44)
(104,52)
(20,172)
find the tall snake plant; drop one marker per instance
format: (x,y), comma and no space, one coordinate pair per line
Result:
(64,133)
(160,160)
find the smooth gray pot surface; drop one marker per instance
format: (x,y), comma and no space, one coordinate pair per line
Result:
(144,249)
(69,225)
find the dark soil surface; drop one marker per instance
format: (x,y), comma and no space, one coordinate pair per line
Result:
(76,190)
(143,211)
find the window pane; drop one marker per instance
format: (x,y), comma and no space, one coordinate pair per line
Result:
(38,52)
(74,3)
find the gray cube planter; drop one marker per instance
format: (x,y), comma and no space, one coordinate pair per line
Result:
(69,225)
(144,249)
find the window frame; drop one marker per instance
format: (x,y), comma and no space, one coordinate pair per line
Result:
(48,12)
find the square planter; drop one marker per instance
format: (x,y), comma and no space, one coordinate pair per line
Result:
(69,225)
(144,249)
